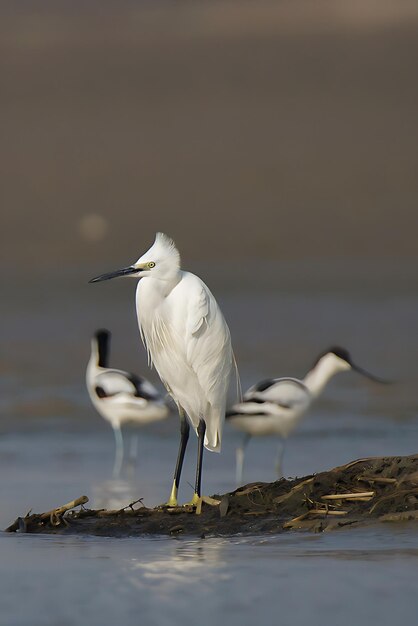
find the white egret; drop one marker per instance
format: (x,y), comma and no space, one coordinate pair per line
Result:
(189,343)
(120,397)
(275,406)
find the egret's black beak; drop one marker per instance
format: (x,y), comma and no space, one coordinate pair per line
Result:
(125,271)
(367,374)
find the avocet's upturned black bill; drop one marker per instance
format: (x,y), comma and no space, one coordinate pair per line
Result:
(367,374)
(125,271)
(275,406)
(344,355)
(120,397)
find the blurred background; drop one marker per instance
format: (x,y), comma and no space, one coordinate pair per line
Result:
(276,142)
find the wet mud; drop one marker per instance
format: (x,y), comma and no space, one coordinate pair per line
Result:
(363,492)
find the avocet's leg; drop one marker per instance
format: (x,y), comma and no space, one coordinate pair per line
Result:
(117,466)
(239,455)
(201,429)
(133,447)
(184,438)
(133,454)
(279,458)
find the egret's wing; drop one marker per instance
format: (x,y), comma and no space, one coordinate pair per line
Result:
(209,356)
(189,344)
(198,311)
(209,350)
(288,393)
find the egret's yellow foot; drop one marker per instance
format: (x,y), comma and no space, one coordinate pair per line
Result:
(194,501)
(172,500)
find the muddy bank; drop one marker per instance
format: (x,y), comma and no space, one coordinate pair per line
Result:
(362,492)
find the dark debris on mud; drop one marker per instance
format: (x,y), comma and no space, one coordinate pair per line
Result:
(362,492)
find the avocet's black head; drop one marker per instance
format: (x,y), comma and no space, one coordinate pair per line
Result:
(102,341)
(341,353)
(344,355)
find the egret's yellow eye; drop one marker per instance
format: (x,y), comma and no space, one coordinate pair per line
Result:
(151,264)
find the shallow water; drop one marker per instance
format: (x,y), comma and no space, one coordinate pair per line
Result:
(359,577)
(53,448)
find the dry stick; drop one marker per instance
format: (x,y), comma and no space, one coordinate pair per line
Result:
(325,512)
(299,518)
(290,493)
(392,495)
(377,479)
(131,505)
(349,496)
(116,512)
(55,514)
(199,506)
(410,478)
(348,465)
(302,517)
(248,490)
(210,501)
(224,506)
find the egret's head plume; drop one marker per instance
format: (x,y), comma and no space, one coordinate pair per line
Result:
(162,260)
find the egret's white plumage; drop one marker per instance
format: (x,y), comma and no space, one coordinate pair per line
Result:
(276,406)
(120,397)
(187,340)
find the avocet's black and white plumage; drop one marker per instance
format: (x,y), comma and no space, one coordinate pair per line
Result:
(275,406)
(120,396)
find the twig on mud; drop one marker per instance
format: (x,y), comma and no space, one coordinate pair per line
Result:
(376,479)
(131,505)
(249,489)
(55,515)
(291,523)
(296,488)
(391,496)
(361,495)
(325,512)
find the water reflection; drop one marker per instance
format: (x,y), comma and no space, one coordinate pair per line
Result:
(115,493)
(186,563)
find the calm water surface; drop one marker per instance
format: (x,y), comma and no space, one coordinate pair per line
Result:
(364,577)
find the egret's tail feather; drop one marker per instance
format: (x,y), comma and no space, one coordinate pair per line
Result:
(213,434)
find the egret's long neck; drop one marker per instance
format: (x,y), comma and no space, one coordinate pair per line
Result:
(158,288)
(318,377)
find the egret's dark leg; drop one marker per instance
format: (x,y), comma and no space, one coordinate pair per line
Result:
(240,458)
(184,438)
(201,429)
